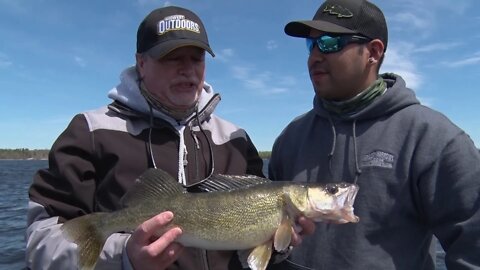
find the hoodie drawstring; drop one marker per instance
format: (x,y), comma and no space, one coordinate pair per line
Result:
(210,149)
(330,155)
(358,171)
(197,147)
(149,146)
(357,168)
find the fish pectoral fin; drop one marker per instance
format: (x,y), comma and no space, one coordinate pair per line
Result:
(283,235)
(260,256)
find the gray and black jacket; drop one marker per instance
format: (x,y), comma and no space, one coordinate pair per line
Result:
(100,154)
(419,177)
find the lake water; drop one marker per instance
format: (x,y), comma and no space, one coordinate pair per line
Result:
(15,178)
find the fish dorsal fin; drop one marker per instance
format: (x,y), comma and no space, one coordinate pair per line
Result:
(223,182)
(152,184)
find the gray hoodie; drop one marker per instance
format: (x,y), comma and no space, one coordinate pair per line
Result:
(418,173)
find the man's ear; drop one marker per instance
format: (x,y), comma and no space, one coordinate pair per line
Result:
(140,58)
(375,49)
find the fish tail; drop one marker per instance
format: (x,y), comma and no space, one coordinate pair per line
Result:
(86,231)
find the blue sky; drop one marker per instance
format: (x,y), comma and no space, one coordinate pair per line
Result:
(59,58)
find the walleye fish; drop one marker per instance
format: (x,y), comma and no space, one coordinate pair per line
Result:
(240,213)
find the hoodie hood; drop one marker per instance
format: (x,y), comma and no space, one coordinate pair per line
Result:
(394,99)
(128,94)
(133,103)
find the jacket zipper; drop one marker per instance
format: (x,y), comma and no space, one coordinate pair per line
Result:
(205,259)
(197,148)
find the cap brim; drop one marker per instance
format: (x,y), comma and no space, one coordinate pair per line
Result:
(166,47)
(302,28)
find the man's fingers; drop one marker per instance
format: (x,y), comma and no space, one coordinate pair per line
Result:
(304,226)
(165,241)
(152,245)
(148,228)
(308,226)
(170,254)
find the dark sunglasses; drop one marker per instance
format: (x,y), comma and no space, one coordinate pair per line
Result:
(331,44)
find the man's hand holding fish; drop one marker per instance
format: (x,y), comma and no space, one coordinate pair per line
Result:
(146,251)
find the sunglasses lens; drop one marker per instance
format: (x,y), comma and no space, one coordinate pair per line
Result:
(329,44)
(326,44)
(310,44)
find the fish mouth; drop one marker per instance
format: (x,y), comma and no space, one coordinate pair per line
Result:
(347,210)
(339,208)
(351,195)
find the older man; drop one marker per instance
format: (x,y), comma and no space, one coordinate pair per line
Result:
(161,117)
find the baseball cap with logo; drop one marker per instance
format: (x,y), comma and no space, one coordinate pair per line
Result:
(168,28)
(344,17)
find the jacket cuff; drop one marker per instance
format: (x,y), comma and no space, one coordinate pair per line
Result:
(126,264)
(280,256)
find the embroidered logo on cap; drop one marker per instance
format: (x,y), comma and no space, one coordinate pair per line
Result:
(176,23)
(338,10)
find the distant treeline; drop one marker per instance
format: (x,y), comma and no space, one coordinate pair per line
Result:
(24,153)
(265,154)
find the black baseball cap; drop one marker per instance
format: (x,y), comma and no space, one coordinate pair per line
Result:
(344,17)
(168,28)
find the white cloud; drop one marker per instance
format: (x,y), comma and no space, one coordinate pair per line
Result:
(155,3)
(272,44)
(423,18)
(145,2)
(228,52)
(258,81)
(277,90)
(288,81)
(406,19)
(224,55)
(240,72)
(398,61)
(80,61)
(473,60)
(264,82)
(426,101)
(436,47)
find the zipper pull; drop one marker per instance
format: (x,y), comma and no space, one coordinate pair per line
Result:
(197,144)
(185,161)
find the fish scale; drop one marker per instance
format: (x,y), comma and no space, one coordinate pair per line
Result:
(239,217)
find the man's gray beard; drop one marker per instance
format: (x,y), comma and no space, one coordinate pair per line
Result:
(155,103)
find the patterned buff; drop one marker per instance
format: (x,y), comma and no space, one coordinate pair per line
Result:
(358,102)
(155,103)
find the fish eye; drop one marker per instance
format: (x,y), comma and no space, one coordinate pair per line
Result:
(332,189)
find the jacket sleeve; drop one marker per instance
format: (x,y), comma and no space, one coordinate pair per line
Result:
(64,191)
(450,191)
(48,249)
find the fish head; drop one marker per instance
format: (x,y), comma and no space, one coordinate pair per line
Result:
(332,202)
